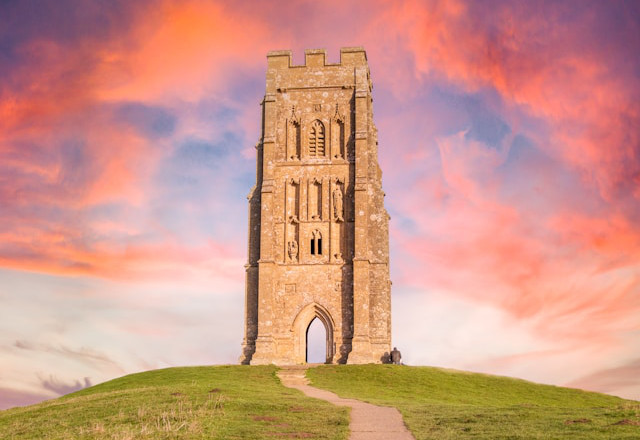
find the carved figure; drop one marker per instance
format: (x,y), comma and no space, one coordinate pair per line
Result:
(337,204)
(292,248)
(396,356)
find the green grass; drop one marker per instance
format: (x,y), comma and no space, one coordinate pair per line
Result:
(242,402)
(224,402)
(446,404)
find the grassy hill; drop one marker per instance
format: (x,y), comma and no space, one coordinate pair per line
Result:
(241,402)
(446,404)
(222,402)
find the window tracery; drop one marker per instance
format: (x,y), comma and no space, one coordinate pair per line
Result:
(316,139)
(316,243)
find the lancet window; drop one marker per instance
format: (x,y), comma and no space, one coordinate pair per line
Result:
(316,243)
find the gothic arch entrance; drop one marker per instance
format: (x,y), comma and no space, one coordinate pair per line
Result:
(301,325)
(316,342)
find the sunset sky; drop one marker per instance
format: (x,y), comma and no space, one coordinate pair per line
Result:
(509,140)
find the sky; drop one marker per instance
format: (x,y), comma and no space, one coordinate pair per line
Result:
(508,141)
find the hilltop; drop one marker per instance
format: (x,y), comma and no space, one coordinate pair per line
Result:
(248,402)
(438,403)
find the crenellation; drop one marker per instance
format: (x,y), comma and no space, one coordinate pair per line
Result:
(317,58)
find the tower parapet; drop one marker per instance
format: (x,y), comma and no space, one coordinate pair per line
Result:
(349,56)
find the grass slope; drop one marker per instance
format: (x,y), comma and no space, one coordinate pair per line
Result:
(224,402)
(240,402)
(446,404)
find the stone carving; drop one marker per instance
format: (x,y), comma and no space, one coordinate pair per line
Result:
(339,140)
(315,199)
(292,249)
(294,118)
(280,301)
(293,200)
(339,117)
(338,209)
(293,139)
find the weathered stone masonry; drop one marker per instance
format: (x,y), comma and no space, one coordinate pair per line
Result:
(318,229)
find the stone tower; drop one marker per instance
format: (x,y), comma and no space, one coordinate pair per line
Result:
(318,229)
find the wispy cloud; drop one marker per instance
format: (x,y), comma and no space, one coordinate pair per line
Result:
(624,380)
(12,397)
(59,387)
(85,355)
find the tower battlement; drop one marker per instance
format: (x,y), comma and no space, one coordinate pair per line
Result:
(352,72)
(349,56)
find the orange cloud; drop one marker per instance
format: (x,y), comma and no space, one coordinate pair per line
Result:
(57,252)
(185,50)
(65,151)
(569,265)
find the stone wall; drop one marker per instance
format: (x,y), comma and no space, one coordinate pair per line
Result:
(318,229)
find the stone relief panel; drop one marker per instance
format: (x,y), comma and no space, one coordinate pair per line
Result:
(293,200)
(337,226)
(314,203)
(337,196)
(293,220)
(292,250)
(293,135)
(337,242)
(338,134)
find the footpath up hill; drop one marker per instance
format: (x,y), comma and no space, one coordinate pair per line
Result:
(248,402)
(447,404)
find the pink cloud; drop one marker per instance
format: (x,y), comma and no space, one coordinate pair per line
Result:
(559,73)
(623,380)
(64,152)
(567,259)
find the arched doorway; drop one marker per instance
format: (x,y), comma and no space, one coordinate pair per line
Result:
(316,342)
(301,325)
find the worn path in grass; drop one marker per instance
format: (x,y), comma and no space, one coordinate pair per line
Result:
(368,422)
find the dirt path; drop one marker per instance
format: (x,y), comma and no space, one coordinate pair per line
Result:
(368,422)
